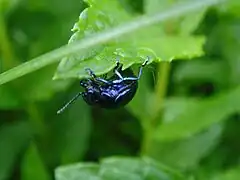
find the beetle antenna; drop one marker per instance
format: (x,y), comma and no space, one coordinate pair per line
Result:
(70,102)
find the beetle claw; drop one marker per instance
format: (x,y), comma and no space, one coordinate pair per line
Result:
(90,72)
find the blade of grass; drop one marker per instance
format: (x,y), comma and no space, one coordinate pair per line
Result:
(141,22)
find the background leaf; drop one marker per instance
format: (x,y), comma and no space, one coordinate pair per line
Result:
(116,168)
(76,133)
(205,113)
(13,138)
(228,175)
(185,114)
(33,166)
(187,153)
(77,171)
(8,98)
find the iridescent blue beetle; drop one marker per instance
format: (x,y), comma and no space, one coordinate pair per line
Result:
(115,92)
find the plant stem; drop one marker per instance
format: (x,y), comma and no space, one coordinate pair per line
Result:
(159,95)
(161,89)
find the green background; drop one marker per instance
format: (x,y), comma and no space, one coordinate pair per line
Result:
(182,124)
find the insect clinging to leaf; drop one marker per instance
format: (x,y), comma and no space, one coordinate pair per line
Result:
(114,92)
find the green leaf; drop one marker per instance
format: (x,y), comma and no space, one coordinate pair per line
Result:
(13,138)
(100,38)
(7,6)
(32,166)
(201,69)
(143,96)
(45,88)
(182,25)
(175,106)
(9,98)
(93,19)
(200,116)
(229,48)
(87,171)
(64,10)
(76,133)
(131,168)
(186,153)
(173,39)
(101,59)
(230,7)
(119,168)
(105,61)
(230,174)
(171,47)
(69,133)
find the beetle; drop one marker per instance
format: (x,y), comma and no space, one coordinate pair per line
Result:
(111,93)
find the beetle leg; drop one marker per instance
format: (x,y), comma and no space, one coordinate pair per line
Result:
(85,83)
(95,78)
(70,102)
(140,72)
(143,65)
(118,74)
(131,79)
(118,66)
(91,73)
(102,80)
(104,76)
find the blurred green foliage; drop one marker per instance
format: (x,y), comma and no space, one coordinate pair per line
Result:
(182,124)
